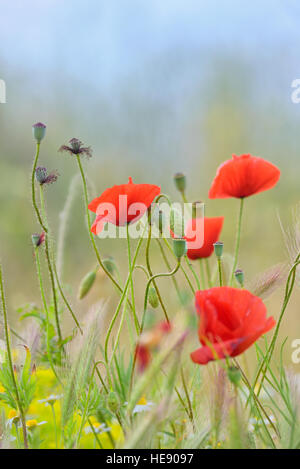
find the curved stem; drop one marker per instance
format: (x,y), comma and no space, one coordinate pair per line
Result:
(152,279)
(237,244)
(86,202)
(10,362)
(36,209)
(151,273)
(169,268)
(120,302)
(181,266)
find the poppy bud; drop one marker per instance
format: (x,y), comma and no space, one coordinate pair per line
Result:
(179,247)
(218,247)
(180,182)
(239,276)
(152,297)
(86,284)
(41,174)
(110,265)
(234,375)
(39,131)
(176,223)
(112,401)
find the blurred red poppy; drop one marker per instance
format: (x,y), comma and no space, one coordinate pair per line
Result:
(231,320)
(201,234)
(149,341)
(243,176)
(122,204)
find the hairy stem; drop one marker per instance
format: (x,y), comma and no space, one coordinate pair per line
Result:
(10,362)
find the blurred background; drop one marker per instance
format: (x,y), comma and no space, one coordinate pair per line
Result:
(154,87)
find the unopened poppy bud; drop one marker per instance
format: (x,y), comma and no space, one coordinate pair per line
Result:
(176,223)
(218,247)
(39,131)
(239,275)
(234,375)
(110,265)
(37,239)
(152,297)
(180,182)
(179,247)
(112,401)
(86,284)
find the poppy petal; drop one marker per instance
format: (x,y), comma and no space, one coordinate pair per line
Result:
(243,176)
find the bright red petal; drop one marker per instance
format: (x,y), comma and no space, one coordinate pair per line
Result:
(243,176)
(201,245)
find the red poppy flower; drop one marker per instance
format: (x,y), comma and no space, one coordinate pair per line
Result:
(201,234)
(149,341)
(243,176)
(122,204)
(231,320)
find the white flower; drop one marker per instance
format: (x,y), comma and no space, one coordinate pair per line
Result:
(50,400)
(98,428)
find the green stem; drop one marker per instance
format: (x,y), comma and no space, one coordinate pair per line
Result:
(10,362)
(120,301)
(65,299)
(36,209)
(55,426)
(208,274)
(181,266)
(288,292)
(202,274)
(151,273)
(238,238)
(220,271)
(136,322)
(39,273)
(191,415)
(86,202)
(151,279)
(169,268)
(189,264)
(52,281)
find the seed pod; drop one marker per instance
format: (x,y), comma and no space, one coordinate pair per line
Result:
(179,247)
(86,284)
(218,247)
(39,131)
(110,265)
(180,182)
(152,297)
(239,275)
